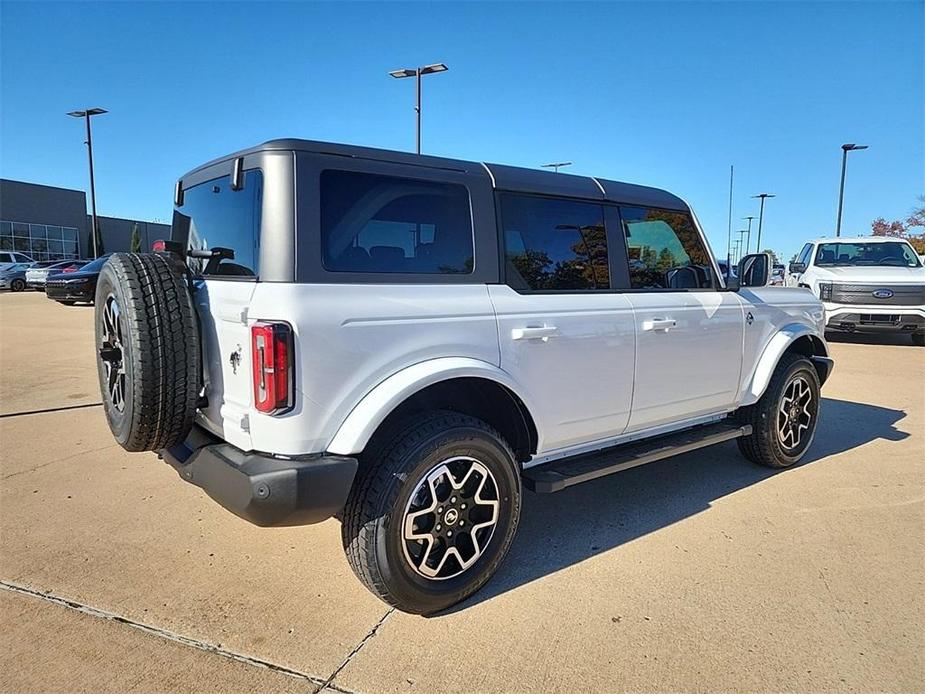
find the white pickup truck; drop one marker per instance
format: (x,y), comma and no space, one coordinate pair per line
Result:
(867,284)
(405,342)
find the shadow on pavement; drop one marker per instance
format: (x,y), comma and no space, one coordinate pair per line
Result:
(558,530)
(892,339)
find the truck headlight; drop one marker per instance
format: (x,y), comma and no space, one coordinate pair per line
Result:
(825,291)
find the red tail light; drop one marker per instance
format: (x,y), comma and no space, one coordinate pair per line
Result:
(271,352)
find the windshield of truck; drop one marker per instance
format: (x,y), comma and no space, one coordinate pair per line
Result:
(896,253)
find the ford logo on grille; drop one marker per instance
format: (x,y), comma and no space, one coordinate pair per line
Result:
(882,293)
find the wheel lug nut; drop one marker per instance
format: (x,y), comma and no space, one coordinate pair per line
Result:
(440,510)
(462,522)
(463,506)
(438,526)
(450,533)
(453,500)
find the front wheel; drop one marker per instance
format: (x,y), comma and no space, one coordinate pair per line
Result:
(918,339)
(433,512)
(17,285)
(784,418)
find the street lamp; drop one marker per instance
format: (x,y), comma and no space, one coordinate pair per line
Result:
(556,165)
(417,72)
(841,190)
(737,254)
(747,239)
(86,115)
(763,196)
(749,242)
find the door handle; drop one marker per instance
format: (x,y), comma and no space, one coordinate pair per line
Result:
(534,333)
(656,324)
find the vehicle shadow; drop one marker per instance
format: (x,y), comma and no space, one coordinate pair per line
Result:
(893,339)
(558,530)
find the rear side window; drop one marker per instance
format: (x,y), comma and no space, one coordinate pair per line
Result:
(554,244)
(664,250)
(214,215)
(386,224)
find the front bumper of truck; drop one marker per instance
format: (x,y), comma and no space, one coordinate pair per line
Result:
(874,318)
(260,488)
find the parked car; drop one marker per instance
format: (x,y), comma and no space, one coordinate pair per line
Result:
(38,274)
(867,284)
(407,341)
(8,258)
(13,277)
(778,276)
(72,285)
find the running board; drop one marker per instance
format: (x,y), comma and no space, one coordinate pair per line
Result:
(559,474)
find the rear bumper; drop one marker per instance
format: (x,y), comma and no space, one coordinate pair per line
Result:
(259,488)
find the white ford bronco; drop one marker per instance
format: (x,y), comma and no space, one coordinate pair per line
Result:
(405,342)
(868,284)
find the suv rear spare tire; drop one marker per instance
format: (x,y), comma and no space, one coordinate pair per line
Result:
(147,341)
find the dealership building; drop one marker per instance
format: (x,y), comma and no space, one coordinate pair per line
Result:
(48,223)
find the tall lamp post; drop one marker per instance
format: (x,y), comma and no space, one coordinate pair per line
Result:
(749,237)
(556,165)
(86,115)
(763,196)
(841,189)
(737,254)
(740,232)
(418,72)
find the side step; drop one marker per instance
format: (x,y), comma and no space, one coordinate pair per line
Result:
(559,474)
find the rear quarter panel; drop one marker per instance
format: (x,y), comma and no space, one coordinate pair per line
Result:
(349,338)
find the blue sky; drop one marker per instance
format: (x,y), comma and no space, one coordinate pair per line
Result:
(666,94)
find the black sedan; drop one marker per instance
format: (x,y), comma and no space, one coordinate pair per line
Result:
(69,288)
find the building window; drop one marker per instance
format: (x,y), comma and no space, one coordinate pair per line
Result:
(39,241)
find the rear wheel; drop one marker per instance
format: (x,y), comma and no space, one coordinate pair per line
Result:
(433,513)
(147,343)
(784,419)
(918,339)
(17,285)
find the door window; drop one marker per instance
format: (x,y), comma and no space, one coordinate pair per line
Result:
(665,250)
(386,224)
(554,244)
(804,254)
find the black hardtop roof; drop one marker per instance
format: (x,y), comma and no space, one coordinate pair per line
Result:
(503,177)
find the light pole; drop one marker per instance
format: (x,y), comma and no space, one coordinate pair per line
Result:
(556,165)
(749,242)
(841,189)
(418,72)
(740,232)
(738,245)
(86,115)
(763,196)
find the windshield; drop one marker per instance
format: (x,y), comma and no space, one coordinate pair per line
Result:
(894,253)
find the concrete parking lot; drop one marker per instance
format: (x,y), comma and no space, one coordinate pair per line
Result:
(698,573)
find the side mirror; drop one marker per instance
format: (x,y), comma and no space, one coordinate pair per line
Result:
(755,270)
(797,268)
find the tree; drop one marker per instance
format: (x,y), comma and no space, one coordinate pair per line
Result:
(912,229)
(774,260)
(136,239)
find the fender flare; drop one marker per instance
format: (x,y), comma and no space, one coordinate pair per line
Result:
(359,426)
(771,355)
